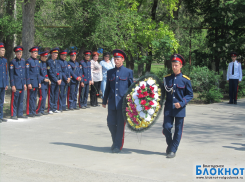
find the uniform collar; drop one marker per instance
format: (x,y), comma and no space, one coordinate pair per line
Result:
(180,74)
(119,67)
(34,58)
(62,60)
(17,59)
(72,61)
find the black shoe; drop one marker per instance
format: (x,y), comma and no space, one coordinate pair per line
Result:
(116,150)
(31,115)
(71,109)
(39,114)
(44,113)
(230,103)
(235,102)
(77,108)
(112,147)
(94,105)
(3,120)
(84,107)
(66,110)
(167,151)
(14,117)
(23,117)
(87,107)
(171,155)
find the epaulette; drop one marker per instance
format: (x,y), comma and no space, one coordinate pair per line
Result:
(186,77)
(167,75)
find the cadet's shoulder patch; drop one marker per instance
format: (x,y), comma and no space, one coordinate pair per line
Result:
(11,66)
(27,65)
(167,75)
(186,77)
(81,66)
(69,66)
(48,67)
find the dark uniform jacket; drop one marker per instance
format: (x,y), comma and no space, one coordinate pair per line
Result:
(54,71)
(33,72)
(86,71)
(65,71)
(44,74)
(178,90)
(117,84)
(17,73)
(4,78)
(75,71)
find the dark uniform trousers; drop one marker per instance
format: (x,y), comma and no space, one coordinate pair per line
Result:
(33,69)
(4,81)
(85,71)
(54,74)
(76,72)
(43,91)
(17,79)
(179,89)
(233,89)
(66,70)
(118,82)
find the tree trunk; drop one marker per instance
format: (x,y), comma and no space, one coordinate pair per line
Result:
(1,15)
(80,53)
(28,30)
(153,17)
(9,39)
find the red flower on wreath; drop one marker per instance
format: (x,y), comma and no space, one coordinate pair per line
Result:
(152,95)
(141,96)
(152,88)
(147,108)
(143,102)
(143,86)
(139,91)
(151,103)
(145,94)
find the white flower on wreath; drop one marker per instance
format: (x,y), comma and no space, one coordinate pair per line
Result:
(137,88)
(148,118)
(142,114)
(155,88)
(142,83)
(155,103)
(151,111)
(137,101)
(135,95)
(139,108)
(151,82)
(156,96)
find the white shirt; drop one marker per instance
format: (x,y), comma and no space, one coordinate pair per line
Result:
(113,62)
(237,71)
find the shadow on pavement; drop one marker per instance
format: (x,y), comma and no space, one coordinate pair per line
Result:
(108,149)
(241,146)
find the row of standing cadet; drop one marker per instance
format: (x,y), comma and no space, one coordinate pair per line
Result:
(58,80)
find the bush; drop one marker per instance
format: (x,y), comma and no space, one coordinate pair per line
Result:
(212,95)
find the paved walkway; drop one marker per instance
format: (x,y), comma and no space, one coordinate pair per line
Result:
(74,146)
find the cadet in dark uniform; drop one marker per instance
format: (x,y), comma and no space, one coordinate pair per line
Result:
(43,91)
(234,77)
(4,79)
(179,93)
(55,76)
(118,81)
(66,78)
(17,74)
(76,77)
(87,79)
(33,82)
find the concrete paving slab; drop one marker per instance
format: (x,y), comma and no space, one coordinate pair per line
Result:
(75,146)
